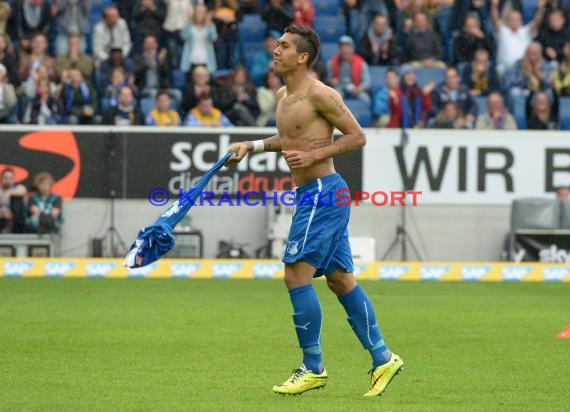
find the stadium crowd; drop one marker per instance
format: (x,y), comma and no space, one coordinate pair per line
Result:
(497,64)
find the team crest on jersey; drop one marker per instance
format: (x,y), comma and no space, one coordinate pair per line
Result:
(292,248)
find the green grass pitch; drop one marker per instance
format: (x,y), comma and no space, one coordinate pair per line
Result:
(220,345)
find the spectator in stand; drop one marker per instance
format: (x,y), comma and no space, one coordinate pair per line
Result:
(74,57)
(199,37)
(369,9)
(42,74)
(45,206)
(528,75)
(304,12)
(540,114)
(263,60)
(378,45)
(471,39)
(11,210)
(561,76)
(5,12)
(497,116)
(8,99)
(126,10)
(149,17)
(200,84)
(71,18)
(513,38)
(450,117)
(387,106)
(462,8)
(422,44)
(116,59)
(152,72)
(29,18)
(227,14)
(78,101)
(118,81)
(418,99)
(206,115)
(38,57)
(409,8)
(42,109)
(111,33)
(278,14)
(244,109)
(178,13)
(266,99)
(126,113)
(553,36)
(348,72)
(451,90)
(480,76)
(162,114)
(7,58)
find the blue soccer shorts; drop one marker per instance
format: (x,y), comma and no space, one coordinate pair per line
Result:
(319,231)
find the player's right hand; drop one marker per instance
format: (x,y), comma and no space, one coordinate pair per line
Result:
(240,150)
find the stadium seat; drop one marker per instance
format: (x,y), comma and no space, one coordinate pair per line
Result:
(519,112)
(564,113)
(251,28)
(330,28)
(377,75)
(528,9)
(328,50)
(249,50)
(327,7)
(361,111)
(424,75)
(178,79)
(481,102)
(146,104)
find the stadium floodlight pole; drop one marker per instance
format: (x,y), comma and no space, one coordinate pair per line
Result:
(402,235)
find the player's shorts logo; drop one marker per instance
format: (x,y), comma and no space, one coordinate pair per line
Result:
(292,248)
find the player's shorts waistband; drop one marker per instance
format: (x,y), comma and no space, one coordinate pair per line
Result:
(320,183)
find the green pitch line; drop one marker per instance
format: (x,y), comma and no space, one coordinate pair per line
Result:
(214,345)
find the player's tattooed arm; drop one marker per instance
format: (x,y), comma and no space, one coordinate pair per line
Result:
(272,144)
(329,104)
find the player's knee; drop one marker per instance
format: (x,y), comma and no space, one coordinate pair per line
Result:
(340,285)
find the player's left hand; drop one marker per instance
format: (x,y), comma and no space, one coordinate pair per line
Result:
(240,150)
(296,159)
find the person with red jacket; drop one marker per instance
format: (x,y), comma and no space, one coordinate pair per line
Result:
(348,72)
(418,98)
(389,105)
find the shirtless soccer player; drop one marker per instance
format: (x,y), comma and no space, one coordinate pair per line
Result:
(307,114)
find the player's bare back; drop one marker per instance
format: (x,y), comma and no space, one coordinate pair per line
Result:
(301,127)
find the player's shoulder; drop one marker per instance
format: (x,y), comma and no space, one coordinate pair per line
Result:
(320,92)
(280,93)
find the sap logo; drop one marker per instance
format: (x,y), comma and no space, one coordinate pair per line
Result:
(17,268)
(225,270)
(358,269)
(99,269)
(433,272)
(392,272)
(183,270)
(515,273)
(58,268)
(555,273)
(266,270)
(141,272)
(554,254)
(474,272)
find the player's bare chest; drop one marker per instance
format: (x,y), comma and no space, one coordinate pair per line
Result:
(294,113)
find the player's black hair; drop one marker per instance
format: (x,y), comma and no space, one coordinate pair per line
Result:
(307,41)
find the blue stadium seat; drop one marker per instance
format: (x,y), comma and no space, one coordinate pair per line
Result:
(146,104)
(519,112)
(424,75)
(564,113)
(178,79)
(327,7)
(330,28)
(481,102)
(328,50)
(361,110)
(377,76)
(528,9)
(251,28)
(249,50)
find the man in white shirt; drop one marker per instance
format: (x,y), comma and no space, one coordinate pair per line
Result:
(513,38)
(112,32)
